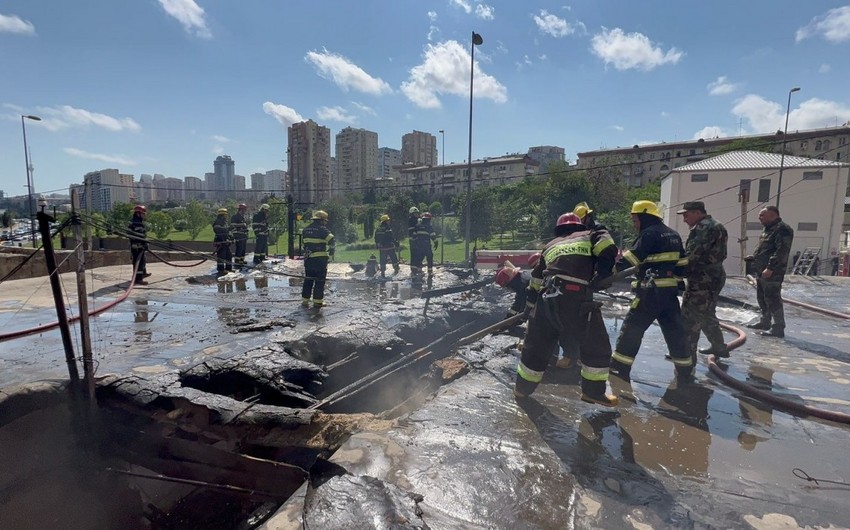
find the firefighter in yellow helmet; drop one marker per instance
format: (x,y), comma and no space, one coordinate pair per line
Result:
(222,241)
(560,299)
(387,245)
(318,244)
(239,229)
(139,243)
(260,225)
(656,252)
(583,211)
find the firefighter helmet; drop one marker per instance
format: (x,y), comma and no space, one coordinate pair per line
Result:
(222,211)
(140,208)
(505,275)
(242,206)
(385,218)
(534,259)
(582,209)
(427,215)
(264,207)
(645,206)
(413,210)
(320,214)
(568,218)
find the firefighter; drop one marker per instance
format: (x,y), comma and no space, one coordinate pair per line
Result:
(706,251)
(656,252)
(222,241)
(260,225)
(423,239)
(371,266)
(239,229)
(560,299)
(387,245)
(138,233)
(770,263)
(318,244)
(412,223)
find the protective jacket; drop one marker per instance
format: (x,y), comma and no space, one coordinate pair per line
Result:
(138,233)
(656,253)
(423,236)
(221,229)
(384,238)
(773,249)
(317,240)
(260,223)
(239,226)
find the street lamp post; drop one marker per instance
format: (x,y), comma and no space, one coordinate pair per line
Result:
(476,40)
(29,175)
(443,186)
(784,141)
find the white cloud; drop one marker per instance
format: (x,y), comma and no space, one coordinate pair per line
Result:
(432,16)
(364,108)
(485,12)
(712,131)
(346,74)
(335,114)
(463,4)
(665,114)
(553,25)
(618,128)
(632,50)
(221,139)
(824,68)
(189,14)
(721,86)
(432,32)
(218,150)
(112,159)
(13,24)
(834,26)
(444,71)
(282,113)
(766,116)
(66,117)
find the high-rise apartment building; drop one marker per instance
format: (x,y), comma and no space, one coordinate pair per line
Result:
(419,148)
(387,158)
(101,190)
(309,146)
(224,177)
(272,181)
(193,188)
(167,188)
(356,156)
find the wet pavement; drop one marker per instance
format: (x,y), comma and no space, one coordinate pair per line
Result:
(699,456)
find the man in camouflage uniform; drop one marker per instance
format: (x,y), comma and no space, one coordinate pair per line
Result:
(705,251)
(770,263)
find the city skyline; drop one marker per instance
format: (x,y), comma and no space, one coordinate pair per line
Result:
(164,86)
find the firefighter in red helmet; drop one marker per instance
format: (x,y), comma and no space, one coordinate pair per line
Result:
(560,297)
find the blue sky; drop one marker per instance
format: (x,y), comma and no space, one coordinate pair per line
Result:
(164,86)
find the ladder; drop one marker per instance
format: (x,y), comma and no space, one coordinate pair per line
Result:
(806,261)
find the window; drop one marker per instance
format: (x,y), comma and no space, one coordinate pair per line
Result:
(818,145)
(754,226)
(804,145)
(826,144)
(699,177)
(812,175)
(652,156)
(665,167)
(764,190)
(693,152)
(807,227)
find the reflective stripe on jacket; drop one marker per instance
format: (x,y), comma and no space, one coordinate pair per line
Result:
(317,240)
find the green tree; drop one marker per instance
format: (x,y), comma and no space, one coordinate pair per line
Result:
(277,220)
(196,217)
(119,217)
(160,224)
(7,218)
(98,223)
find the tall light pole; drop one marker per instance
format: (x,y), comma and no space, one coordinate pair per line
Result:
(443,186)
(784,141)
(29,174)
(476,40)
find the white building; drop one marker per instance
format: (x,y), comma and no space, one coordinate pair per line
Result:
(419,148)
(356,156)
(101,190)
(811,200)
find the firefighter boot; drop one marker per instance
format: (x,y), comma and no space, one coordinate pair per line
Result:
(305,302)
(524,388)
(761,324)
(685,374)
(594,392)
(621,370)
